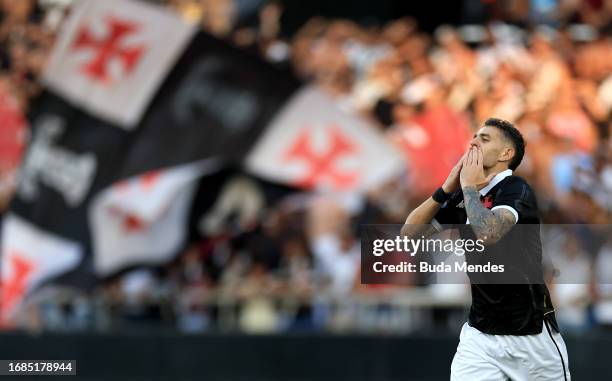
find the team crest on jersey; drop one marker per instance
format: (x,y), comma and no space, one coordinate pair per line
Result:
(487,202)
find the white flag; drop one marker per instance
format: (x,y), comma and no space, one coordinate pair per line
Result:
(143,220)
(314,144)
(31,256)
(112,55)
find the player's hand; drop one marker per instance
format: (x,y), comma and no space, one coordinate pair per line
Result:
(451,183)
(472,170)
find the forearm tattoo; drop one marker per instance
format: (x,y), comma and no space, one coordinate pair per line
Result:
(490,226)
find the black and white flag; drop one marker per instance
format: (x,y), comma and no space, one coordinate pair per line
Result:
(137,108)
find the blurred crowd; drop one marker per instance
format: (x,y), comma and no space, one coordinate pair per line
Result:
(544,65)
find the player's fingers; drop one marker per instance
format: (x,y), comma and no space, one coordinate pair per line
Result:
(479,157)
(471,156)
(461,160)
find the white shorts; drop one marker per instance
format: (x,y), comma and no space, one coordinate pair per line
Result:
(501,357)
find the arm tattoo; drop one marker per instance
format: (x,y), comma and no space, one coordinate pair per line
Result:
(490,226)
(412,231)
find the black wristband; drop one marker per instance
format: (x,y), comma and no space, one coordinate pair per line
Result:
(440,196)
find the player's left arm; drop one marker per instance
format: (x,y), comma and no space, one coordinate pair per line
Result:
(488,225)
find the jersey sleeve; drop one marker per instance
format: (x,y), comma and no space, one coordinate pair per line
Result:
(517,197)
(448,214)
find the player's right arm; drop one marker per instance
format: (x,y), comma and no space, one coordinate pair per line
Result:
(419,221)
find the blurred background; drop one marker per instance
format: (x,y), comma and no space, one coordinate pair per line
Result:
(266,284)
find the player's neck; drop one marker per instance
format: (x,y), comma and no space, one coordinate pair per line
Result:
(494,170)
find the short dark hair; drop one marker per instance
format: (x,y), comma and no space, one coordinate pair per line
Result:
(514,135)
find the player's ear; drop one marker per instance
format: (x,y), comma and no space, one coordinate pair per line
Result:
(506,154)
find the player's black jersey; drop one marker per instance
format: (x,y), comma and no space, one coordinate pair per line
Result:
(516,301)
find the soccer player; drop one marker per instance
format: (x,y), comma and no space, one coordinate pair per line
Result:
(511,332)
